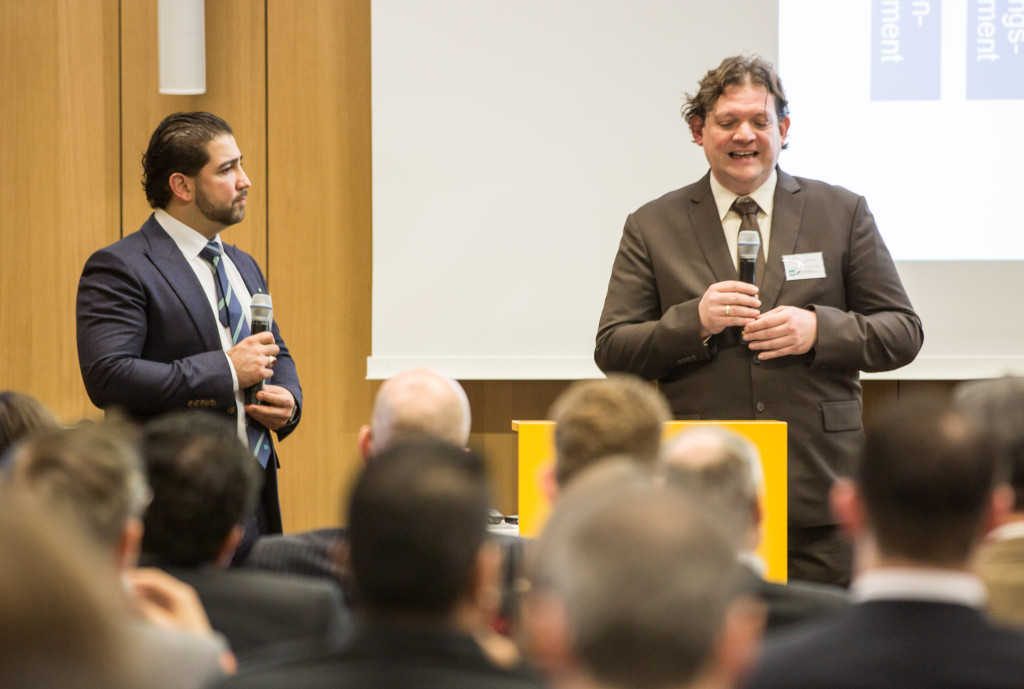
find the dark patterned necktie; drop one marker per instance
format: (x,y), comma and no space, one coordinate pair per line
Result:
(229,310)
(747,209)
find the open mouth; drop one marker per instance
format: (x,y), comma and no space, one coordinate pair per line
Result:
(742,155)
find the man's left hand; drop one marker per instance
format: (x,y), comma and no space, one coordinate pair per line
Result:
(783,331)
(275,408)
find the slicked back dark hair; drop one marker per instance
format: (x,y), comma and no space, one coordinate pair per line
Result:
(204,481)
(735,71)
(417,519)
(178,145)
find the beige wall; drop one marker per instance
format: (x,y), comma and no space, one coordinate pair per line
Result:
(293,79)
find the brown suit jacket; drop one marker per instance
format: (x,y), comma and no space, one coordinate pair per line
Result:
(673,248)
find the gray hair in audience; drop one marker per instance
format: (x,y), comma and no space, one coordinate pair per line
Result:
(645,580)
(721,471)
(418,404)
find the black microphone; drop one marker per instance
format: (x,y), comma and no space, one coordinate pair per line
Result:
(747,245)
(262,312)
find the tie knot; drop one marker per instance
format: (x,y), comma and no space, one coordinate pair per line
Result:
(745,206)
(211,252)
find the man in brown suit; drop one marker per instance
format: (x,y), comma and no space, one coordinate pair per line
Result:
(789,348)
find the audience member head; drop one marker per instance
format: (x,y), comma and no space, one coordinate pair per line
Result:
(61,624)
(925,490)
(618,415)
(738,70)
(719,470)
(204,482)
(21,416)
(417,525)
(179,144)
(998,405)
(416,404)
(92,477)
(632,587)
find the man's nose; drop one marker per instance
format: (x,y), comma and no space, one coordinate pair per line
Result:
(243,179)
(744,132)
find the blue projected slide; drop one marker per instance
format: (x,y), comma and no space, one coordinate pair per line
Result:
(919,106)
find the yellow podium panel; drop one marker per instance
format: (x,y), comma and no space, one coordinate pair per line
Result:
(537,453)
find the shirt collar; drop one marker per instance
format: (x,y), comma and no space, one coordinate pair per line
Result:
(764,195)
(1007,531)
(188,240)
(919,584)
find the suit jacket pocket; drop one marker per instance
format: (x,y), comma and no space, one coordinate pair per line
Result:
(841,416)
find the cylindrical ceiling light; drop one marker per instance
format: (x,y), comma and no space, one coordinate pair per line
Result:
(182,39)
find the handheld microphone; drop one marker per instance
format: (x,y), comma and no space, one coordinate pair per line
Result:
(262,312)
(747,246)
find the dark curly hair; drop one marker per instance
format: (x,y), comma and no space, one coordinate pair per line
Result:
(735,70)
(178,145)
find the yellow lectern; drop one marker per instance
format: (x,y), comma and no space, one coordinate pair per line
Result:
(536,453)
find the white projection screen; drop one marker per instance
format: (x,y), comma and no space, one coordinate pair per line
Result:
(512,137)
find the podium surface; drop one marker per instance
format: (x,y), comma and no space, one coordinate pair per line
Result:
(537,453)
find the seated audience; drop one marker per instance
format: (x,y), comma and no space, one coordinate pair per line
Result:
(924,495)
(204,482)
(21,416)
(998,404)
(91,478)
(425,577)
(61,624)
(631,588)
(720,472)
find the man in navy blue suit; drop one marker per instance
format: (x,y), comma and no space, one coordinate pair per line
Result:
(150,335)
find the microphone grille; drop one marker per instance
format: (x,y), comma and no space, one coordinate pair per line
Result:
(747,244)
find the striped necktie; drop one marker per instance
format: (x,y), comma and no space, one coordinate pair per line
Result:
(229,310)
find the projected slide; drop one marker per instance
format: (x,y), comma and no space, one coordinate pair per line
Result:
(919,106)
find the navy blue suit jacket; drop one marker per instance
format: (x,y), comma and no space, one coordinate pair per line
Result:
(149,343)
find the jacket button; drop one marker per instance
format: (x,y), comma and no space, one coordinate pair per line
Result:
(760,406)
(757,362)
(232,410)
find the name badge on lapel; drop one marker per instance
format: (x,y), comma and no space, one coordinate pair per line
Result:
(804,266)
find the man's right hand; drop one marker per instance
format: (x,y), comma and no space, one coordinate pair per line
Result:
(726,304)
(254,358)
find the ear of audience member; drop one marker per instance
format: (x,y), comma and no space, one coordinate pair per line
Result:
(594,419)
(21,416)
(61,624)
(633,588)
(416,404)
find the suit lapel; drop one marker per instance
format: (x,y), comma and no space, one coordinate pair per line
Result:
(707,227)
(786,214)
(165,256)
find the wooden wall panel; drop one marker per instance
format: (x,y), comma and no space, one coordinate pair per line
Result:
(235,90)
(60,196)
(320,220)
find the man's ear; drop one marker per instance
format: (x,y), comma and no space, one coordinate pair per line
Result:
(549,482)
(848,508)
(486,578)
(547,635)
(129,544)
(365,442)
(182,186)
(697,130)
(1000,508)
(738,643)
(227,548)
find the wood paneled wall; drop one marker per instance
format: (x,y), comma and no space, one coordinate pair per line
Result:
(293,79)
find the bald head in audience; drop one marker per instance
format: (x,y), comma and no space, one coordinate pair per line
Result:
(595,419)
(721,470)
(416,404)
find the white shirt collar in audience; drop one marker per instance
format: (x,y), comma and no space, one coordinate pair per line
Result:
(1007,532)
(919,585)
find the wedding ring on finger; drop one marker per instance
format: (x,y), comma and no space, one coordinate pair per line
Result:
(727,308)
